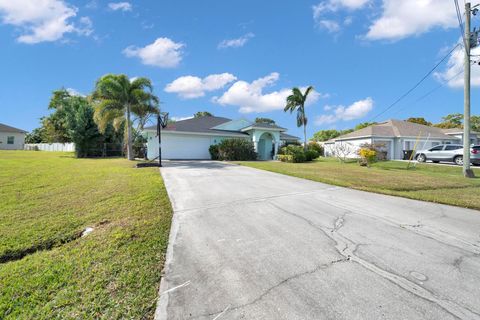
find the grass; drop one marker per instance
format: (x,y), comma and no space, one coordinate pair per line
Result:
(435,183)
(47,271)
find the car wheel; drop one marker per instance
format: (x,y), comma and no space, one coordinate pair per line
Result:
(458,160)
(421,158)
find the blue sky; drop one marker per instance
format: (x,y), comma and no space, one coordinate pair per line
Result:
(238,58)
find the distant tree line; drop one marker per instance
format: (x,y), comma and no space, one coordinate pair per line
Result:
(450,121)
(114,113)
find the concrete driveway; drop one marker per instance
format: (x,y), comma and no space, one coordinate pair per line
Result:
(250,244)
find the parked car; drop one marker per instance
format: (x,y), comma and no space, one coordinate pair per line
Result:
(448,153)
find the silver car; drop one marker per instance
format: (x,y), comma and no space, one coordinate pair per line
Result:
(448,153)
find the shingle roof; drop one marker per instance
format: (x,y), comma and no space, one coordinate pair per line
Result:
(265,125)
(396,128)
(284,136)
(5,128)
(199,125)
(457,130)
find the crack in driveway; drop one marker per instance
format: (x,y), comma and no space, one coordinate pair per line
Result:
(348,248)
(269,290)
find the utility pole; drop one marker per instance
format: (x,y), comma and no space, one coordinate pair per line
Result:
(467,172)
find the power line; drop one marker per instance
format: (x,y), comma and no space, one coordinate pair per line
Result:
(460,22)
(417,84)
(431,91)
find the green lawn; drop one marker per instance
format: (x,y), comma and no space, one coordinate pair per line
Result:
(436,183)
(46,270)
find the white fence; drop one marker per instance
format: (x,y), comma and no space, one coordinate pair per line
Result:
(65,147)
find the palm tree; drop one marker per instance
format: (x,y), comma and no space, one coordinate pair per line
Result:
(116,97)
(296,101)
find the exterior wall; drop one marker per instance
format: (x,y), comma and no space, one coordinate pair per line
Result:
(63,147)
(391,146)
(256,135)
(18,141)
(195,146)
(352,145)
(182,146)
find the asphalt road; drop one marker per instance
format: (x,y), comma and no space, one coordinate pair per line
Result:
(250,244)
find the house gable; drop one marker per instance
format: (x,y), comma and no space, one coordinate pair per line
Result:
(233,125)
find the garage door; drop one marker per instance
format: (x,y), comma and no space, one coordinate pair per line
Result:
(185,147)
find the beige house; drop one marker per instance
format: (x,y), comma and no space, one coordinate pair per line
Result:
(11,138)
(397,138)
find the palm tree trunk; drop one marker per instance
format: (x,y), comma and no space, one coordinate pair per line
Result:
(304,135)
(304,129)
(129,135)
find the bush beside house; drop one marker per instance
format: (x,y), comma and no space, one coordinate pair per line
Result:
(233,150)
(296,154)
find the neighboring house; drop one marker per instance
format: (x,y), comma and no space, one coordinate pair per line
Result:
(191,138)
(458,133)
(11,138)
(396,137)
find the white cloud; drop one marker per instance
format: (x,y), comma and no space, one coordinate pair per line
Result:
(189,87)
(42,20)
(335,5)
(122,6)
(401,19)
(325,8)
(453,74)
(356,110)
(332,26)
(251,98)
(163,53)
(236,43)
(395,19)
(74,92)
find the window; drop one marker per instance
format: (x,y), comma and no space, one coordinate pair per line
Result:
(10,140)
(437,148)
(453,147)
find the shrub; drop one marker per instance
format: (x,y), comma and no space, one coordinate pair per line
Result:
(295,153)
(367,156)
(379,148)
(311,155)
(285,157)
(213,151)
(314,146)
(236,150)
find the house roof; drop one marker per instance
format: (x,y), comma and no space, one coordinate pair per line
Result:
(457,131)
(198,125)
(265,126)
(207,124)
(5,128)
(284,136)
(396,128)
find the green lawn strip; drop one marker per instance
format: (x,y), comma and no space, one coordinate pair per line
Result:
(442,184)
(112,273)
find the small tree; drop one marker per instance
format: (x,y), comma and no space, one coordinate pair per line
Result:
(419,121)
(364,125)
(264,120)
(200,114)
(343,150)
(81,127)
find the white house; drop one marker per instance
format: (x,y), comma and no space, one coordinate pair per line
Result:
(11,138)
(458,133)
(396,136)
(191,138)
